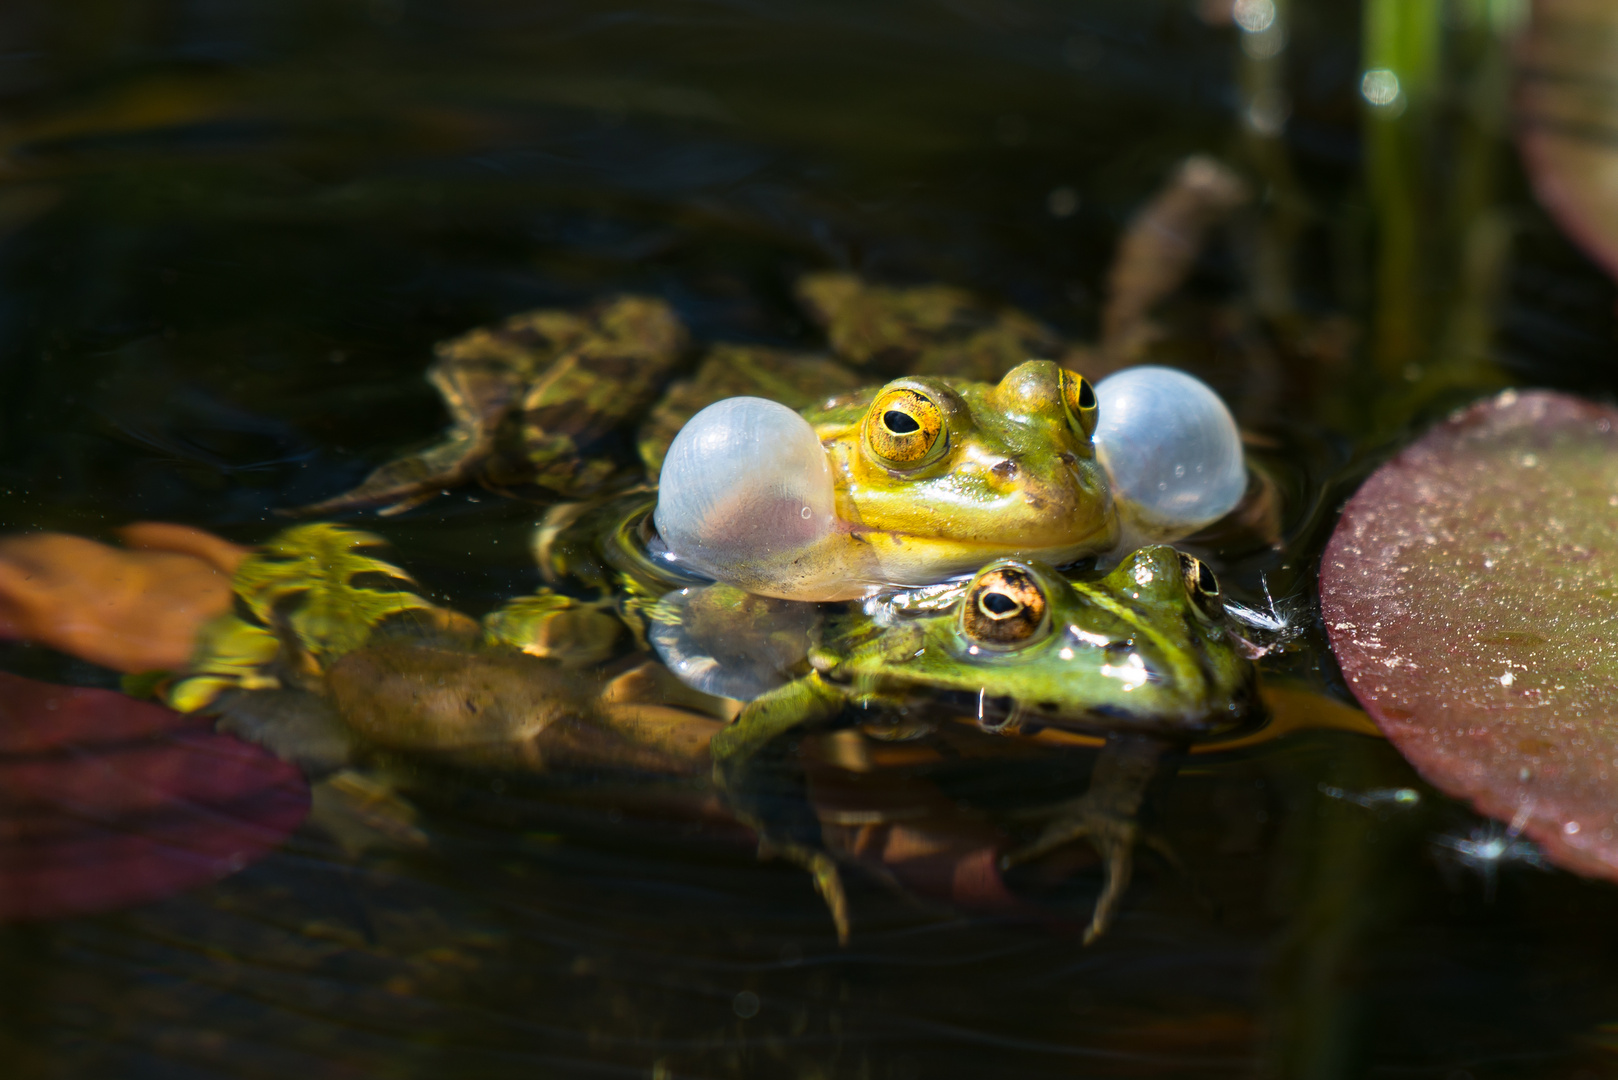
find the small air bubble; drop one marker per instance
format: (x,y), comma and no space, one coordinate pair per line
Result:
(746,1004)
(806,513)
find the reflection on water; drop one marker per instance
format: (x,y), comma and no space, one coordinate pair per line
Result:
(229,234)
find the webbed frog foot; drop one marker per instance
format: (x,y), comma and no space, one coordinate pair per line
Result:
(1113,835)
(409,481)
(1106,816)
(752,781)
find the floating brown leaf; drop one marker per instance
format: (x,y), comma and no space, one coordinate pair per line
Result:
(136,609)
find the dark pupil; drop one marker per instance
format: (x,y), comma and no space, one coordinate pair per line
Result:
(900,423)
(1087,396)
(998,603)
(1206,580)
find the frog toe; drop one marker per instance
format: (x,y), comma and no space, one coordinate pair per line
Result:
(823,868)
(1113,837)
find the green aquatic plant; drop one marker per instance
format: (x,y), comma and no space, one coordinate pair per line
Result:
(313,586)
(310,579)
(231,654)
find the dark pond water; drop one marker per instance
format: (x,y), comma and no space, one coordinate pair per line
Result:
(229,234)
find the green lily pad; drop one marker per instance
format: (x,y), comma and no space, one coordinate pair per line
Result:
(1471,595)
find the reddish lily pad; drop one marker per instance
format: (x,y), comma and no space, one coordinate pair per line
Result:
(1471,595)
(107,802)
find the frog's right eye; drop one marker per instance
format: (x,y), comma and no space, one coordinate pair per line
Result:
(1203,588)
(1080,398)
(1004,607)
(903,426)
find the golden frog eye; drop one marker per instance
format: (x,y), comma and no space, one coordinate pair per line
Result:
(903,426)
(1080,398)
(1004,607)
(1203,588)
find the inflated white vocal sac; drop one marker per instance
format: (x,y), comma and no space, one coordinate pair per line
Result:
(745,490)
(1171,450)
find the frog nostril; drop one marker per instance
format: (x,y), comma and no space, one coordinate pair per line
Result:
(1005,470)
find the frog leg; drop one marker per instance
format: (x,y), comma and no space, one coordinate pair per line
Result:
(407,482)
(737,752)
(1105,815)
(478,391)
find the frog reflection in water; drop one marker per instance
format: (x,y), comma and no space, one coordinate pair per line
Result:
(1144,656)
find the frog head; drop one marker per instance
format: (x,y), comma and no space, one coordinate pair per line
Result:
(903,485)
(934,475)
(1147,648)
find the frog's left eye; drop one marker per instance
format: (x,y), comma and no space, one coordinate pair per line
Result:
(1203,588)
(1004,607)
(903,426)
(1080,398)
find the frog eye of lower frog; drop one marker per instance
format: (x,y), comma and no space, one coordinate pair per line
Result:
(903,426)
(1202,587)
(1080,398)
(1005,607)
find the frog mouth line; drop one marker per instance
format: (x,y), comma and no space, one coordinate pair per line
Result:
(998,547)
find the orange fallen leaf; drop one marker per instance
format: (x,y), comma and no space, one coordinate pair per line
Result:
(130,609)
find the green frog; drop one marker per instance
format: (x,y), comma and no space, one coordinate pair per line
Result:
(1145,656)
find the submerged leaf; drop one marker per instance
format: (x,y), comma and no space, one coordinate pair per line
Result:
(1471,595)
(107,802)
